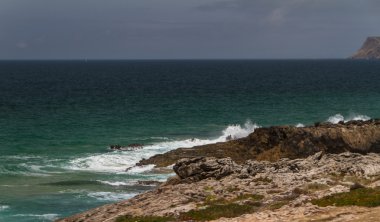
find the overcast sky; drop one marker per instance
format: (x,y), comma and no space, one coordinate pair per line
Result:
(180,29)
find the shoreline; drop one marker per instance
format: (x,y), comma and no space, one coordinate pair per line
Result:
(292,169)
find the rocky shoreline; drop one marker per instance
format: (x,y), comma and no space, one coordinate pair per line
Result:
(274,143)
(275,174)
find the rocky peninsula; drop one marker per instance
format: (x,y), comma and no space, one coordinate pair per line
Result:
(325,172)
(369,50)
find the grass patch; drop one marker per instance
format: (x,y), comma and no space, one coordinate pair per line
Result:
(274,191)
(265,180)
(232,189)
(214,200)
(128,218)
(316,186)
(208,188)
(217,211)
(277,205)
(357,180)
(249,197)
(366,197)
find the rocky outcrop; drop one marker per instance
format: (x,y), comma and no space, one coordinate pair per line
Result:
(347,163)
(196,169)
(369,50)
(281,190)
(274,143)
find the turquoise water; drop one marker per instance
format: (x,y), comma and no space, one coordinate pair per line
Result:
(57,119)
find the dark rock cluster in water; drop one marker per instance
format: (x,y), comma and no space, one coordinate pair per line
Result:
(130,147)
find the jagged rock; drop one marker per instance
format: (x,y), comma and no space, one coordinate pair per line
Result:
(196,169)
(369,50)
(274,143)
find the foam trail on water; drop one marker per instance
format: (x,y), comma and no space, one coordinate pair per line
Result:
(43,217)
(339,117)
(117,183)
(118,161)
(111,196)
(3,207)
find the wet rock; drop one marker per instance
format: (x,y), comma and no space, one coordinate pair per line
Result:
(130,147)
(149,182)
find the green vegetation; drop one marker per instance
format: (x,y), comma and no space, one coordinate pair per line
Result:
(213,209)
(265,180)
(316,186)
(277,205)
(366,197)
(213,200)
(128,218)
(216,211)
(232,189)
(249,197)
(208,188)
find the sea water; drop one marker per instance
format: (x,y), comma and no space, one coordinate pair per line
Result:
(57,119)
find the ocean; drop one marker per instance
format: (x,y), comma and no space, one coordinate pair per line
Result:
(57,119)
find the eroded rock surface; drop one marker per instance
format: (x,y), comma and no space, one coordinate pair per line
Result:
(284,187)
(196,169)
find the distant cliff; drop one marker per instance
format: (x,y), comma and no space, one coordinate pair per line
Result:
(369,50)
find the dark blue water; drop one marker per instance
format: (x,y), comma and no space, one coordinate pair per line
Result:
(58,117)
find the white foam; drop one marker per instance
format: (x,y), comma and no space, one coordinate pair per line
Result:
(50,217)
(22,157)
(159,138)
(116,183)
(360,117)
(339,117)
(119,161)
(140,169)
(3,207)
(300,125)
(111,196)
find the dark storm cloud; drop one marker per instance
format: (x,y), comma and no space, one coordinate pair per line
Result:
(132,29)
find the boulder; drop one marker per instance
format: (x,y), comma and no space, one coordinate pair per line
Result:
(196,169)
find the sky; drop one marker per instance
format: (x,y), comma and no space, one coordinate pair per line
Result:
(185,29)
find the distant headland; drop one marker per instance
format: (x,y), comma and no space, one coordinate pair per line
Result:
(369,50)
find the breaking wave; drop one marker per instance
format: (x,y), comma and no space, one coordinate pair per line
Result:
(339,117)
(117,183)
(3,207)
(111,196)
(118,161)
(50,217)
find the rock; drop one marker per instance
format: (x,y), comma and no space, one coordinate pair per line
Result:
(356,186)
(115,147)
(196,169)
(130,147)
(274,143)
(369,50)
(277,189)
(149,182)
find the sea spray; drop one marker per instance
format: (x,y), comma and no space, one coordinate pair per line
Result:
(118,161)
(111,196)
(339,117)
